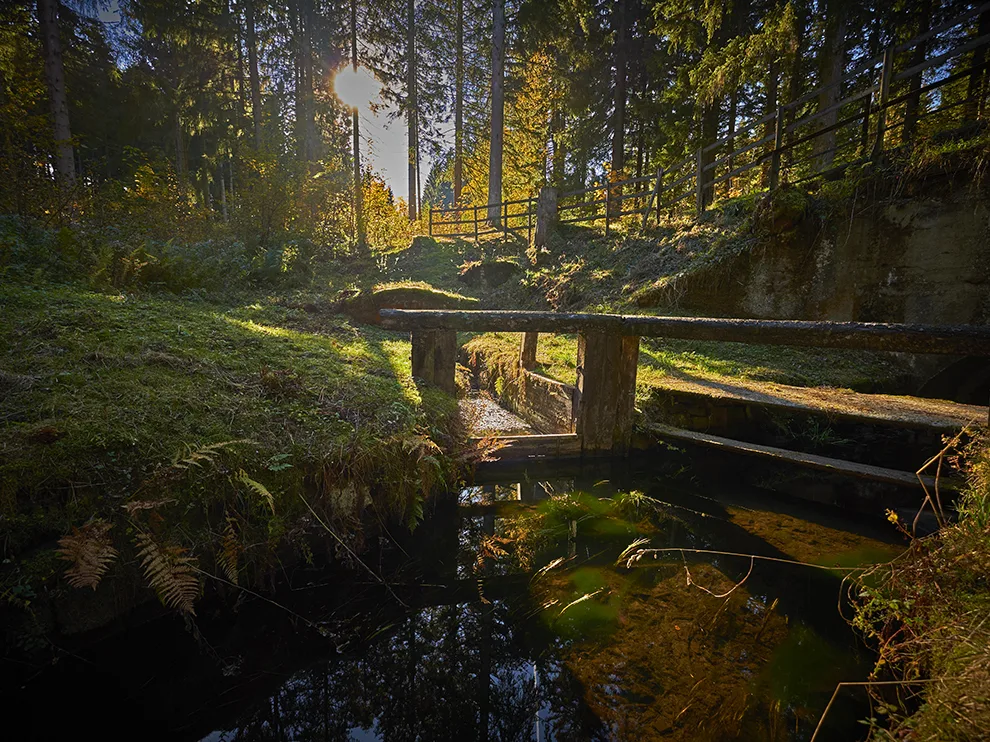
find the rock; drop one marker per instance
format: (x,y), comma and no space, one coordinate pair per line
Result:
(489,273)
(364,307)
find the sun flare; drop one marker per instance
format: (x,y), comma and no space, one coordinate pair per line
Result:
(356,88)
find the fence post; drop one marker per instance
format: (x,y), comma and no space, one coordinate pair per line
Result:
(778,140)
(608,205)
(885,76)
(700,183)
(505,220)
(476,225)
(429,209)
(649,203)
(529,221)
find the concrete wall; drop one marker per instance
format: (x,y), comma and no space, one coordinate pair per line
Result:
(923,257)
(546,404)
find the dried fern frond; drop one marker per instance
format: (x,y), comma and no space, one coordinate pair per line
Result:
(258,488)
(171,572)
(204,455)
(230,550)
(90,551)
(136,506)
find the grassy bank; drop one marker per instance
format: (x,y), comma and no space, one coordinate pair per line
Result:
(929,614)
(194,437)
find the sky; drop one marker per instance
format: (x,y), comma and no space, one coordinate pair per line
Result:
(383,135)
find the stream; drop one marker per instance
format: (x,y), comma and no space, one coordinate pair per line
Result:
(506,617)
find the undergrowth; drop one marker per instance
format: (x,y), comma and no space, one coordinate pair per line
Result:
(929,614)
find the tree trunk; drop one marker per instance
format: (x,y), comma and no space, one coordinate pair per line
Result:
(498,112)
(913,105)
(769,105)
(252,49)
(411,104)
(459,101)
(305,108)
(709,133)
(359,226)
(65,167)
(557,158)
(976,89)
(619,91)
(180,150)
(831,65)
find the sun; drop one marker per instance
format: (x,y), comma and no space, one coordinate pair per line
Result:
(356,88)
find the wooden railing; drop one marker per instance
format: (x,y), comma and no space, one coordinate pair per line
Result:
(478,222)
(881,103)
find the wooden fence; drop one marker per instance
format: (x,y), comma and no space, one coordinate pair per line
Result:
(882,102)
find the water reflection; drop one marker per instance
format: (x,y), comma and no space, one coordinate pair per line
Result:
(559,643)
(506,617)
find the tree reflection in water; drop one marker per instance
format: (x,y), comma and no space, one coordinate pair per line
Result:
(588,650)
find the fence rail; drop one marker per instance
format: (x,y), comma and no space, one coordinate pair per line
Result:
(877,104)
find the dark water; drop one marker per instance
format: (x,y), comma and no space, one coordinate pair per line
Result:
(507,618)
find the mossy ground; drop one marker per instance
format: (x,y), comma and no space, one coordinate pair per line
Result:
(103,393)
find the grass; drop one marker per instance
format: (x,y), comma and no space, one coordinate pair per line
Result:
(102,396)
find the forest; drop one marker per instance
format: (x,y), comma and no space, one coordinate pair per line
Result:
(506,369)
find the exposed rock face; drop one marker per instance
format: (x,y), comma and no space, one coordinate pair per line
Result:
(490,273)
(364,307)
(924,259)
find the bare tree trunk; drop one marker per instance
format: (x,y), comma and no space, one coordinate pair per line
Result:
(362,236)
(832,63)
(459,101)
(976,90)
(65,167)
(498,112)
(913,105)
(619,91)
(411,104)
(557,126)
(306,125)
(252,49)
(180,150)
(769,105)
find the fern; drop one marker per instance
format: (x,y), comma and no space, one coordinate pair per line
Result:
(205,455)
(230,549)
(171,572)
(90,551)
(258,488)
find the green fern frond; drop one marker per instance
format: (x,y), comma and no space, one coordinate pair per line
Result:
(230,549)
(258,488)
(204,455)
(90,551)
(171,572)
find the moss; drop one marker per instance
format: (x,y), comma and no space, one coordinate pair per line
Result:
(365,306)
